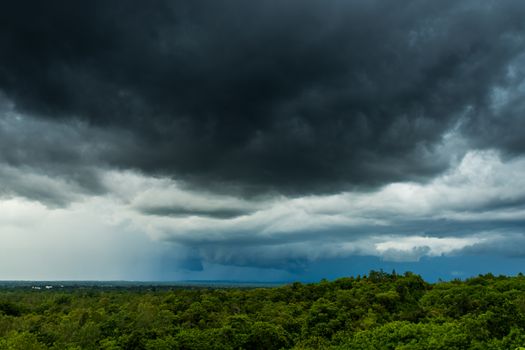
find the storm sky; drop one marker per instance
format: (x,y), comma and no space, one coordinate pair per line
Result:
(261,140)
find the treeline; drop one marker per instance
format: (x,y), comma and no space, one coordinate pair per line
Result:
(378,311)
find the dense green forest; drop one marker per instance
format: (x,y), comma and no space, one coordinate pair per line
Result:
(378,311)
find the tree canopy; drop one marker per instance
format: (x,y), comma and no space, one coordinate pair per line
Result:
(378,311)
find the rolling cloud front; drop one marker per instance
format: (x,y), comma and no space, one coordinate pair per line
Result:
(263,140)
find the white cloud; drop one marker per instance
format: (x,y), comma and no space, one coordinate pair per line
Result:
(412,248)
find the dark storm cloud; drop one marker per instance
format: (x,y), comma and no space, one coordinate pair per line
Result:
(510,244)
(179,211)
(53,162)
(295,97)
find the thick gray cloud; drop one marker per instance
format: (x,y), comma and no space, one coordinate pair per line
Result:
(510,244)
(55,163)
(290,97)
(181,211)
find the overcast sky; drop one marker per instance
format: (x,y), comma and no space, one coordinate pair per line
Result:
(261,140)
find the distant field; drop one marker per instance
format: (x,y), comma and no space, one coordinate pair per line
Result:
(67,285)
(377,311)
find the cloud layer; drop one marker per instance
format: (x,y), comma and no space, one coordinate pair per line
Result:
(264,135)
(478,203)
(294,98)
